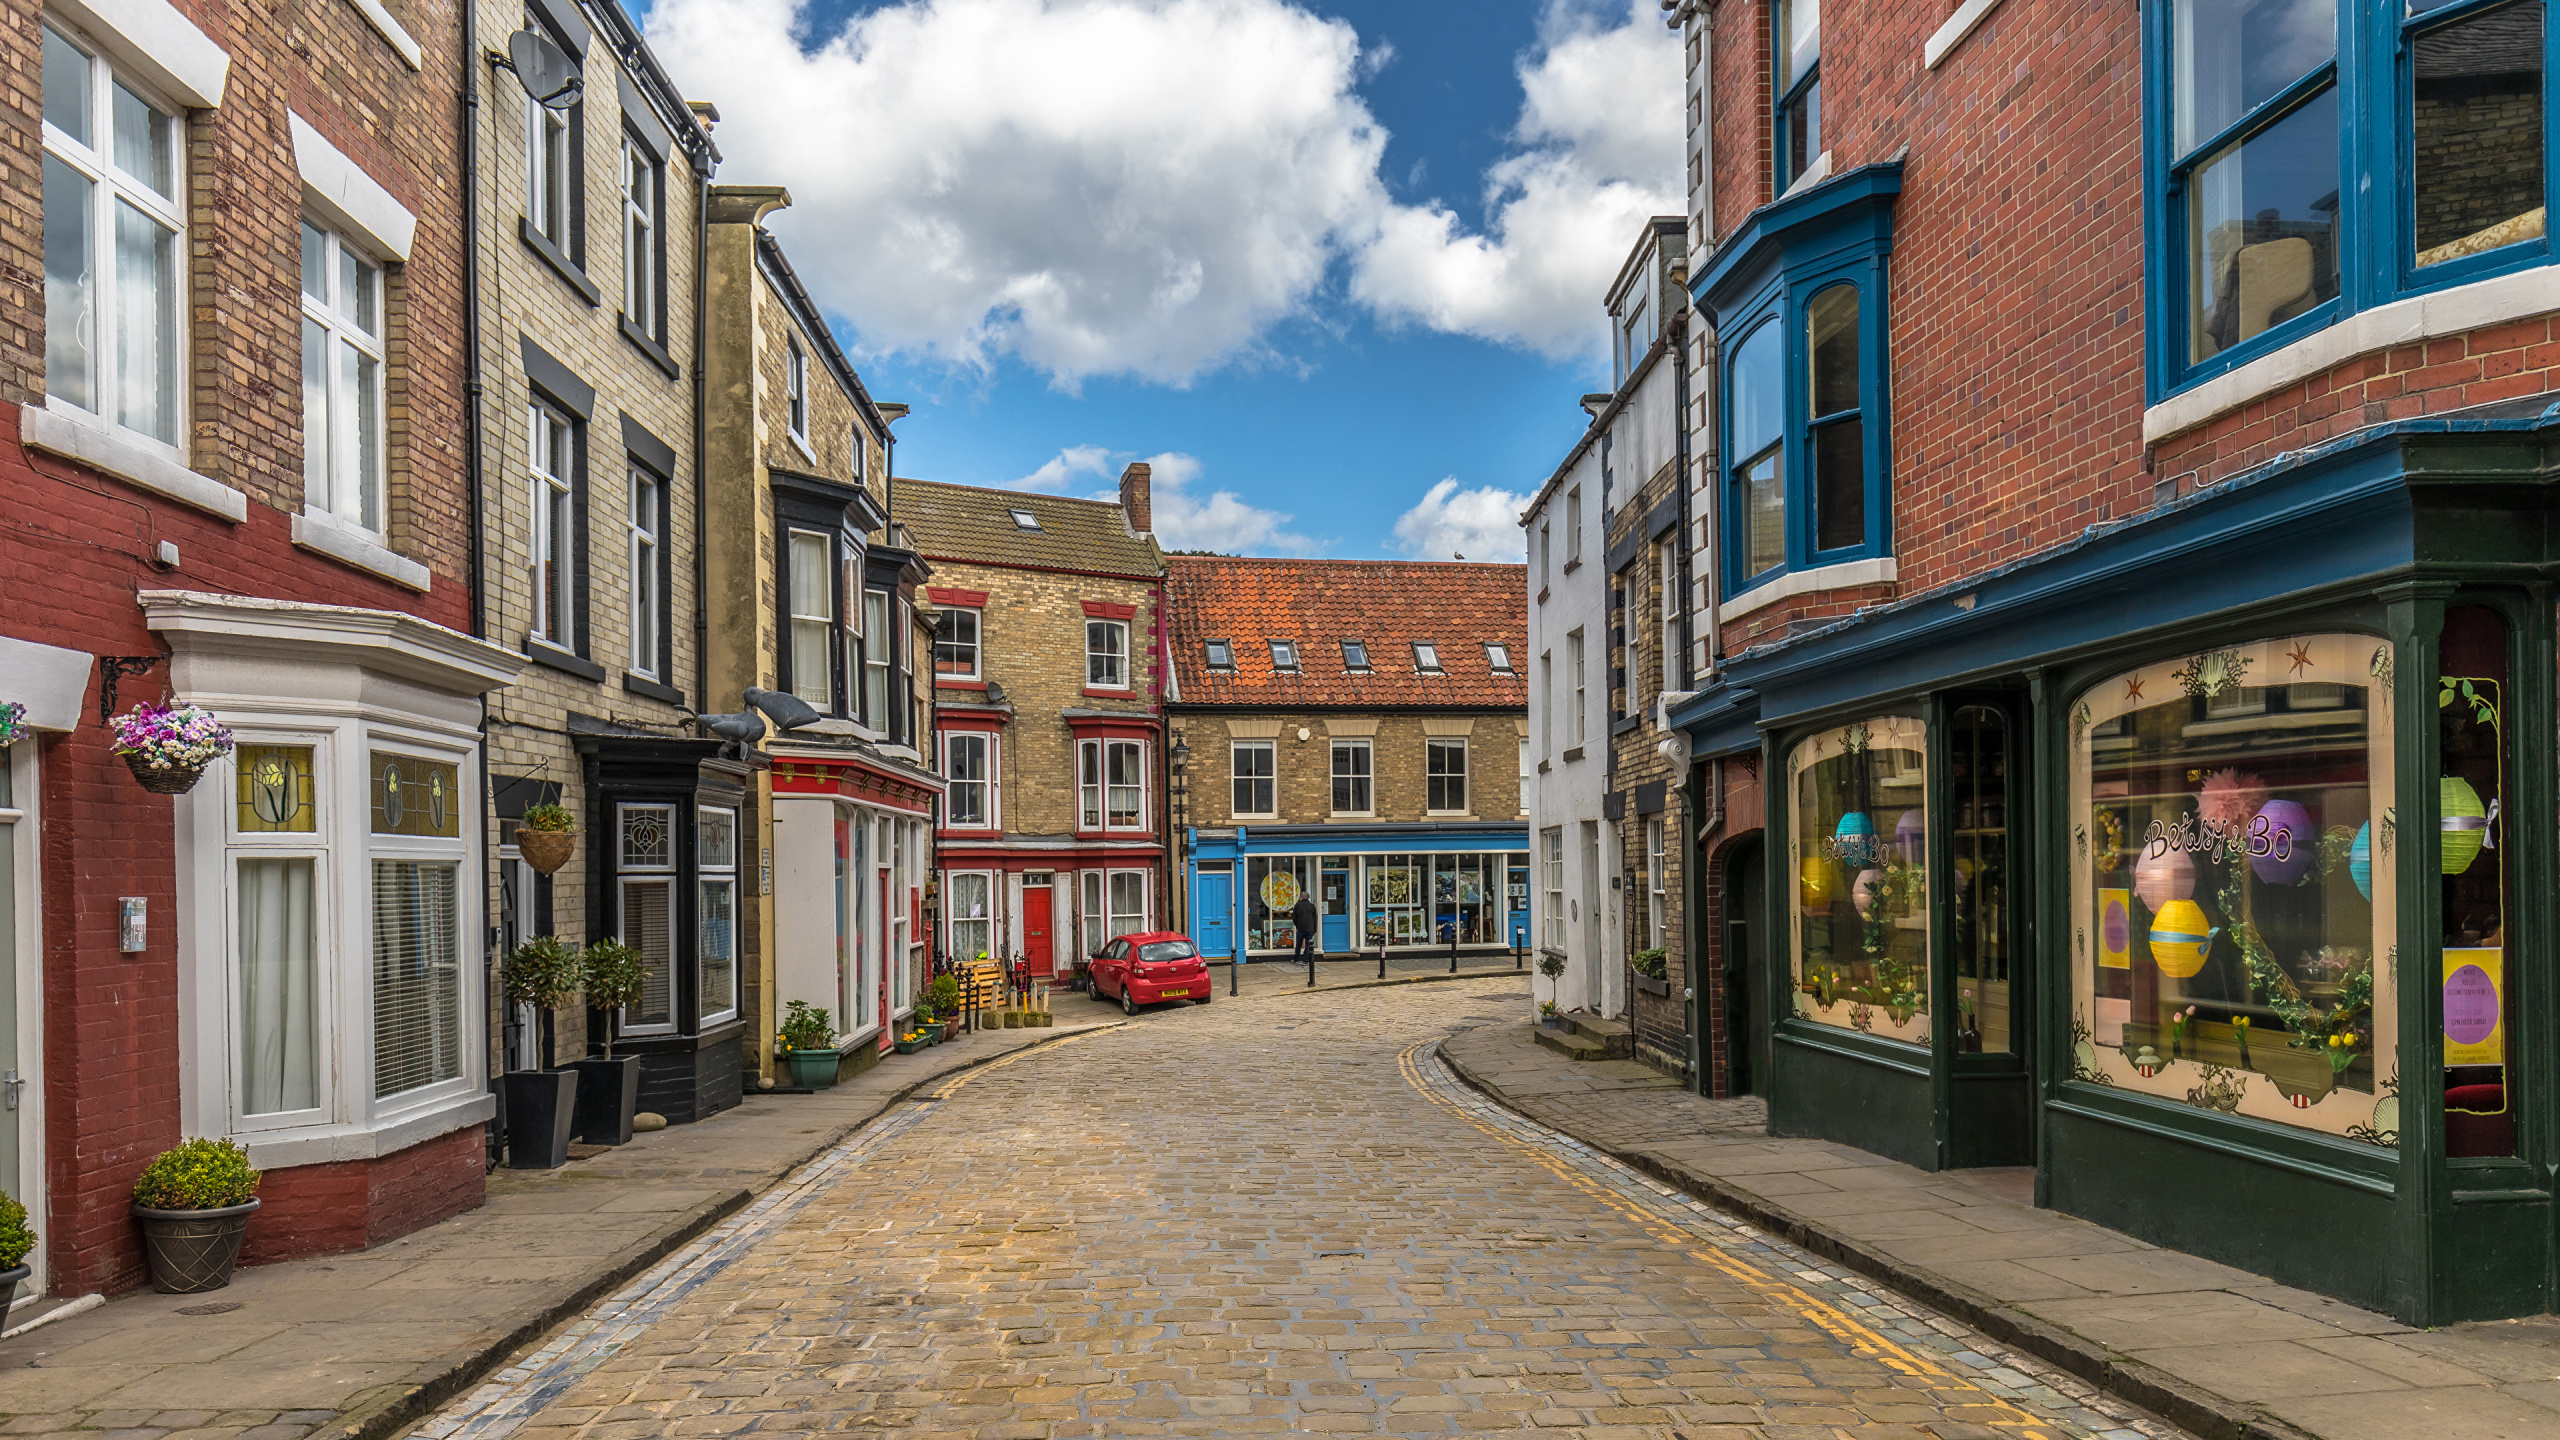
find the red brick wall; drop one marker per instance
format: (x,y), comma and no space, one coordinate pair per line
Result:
(332,1209)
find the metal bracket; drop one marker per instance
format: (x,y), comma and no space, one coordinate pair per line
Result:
(112,668)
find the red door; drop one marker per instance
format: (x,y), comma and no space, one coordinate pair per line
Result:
(1035,931)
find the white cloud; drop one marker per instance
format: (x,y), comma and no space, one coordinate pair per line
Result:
(1145,188)
(1061,470)
(1222,522)
(1481,524)
(1101,187)
(1601,127)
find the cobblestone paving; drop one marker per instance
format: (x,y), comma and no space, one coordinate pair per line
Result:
(1278,1216)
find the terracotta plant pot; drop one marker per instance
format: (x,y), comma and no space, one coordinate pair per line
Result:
(193,1250)
(547,850)
(173,780)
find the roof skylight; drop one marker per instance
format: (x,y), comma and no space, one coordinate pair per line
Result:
(1024,520)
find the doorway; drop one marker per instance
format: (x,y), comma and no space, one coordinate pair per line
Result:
(1591,951)
(1213,912)
(1038,943)
(1746,954)
(1334,891)
(21,973)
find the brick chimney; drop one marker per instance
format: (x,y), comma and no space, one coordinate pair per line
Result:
(1133,496)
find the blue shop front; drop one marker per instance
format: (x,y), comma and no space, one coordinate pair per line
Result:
(1412,887)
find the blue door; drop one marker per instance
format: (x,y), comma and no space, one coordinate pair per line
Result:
(1213,913)
(1334,897)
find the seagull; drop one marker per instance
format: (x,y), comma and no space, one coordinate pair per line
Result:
(1455,553)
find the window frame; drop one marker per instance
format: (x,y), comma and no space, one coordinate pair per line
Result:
(952,920)
(652,609)
(1355,657)
(1551,877)
(879,659)
(1126,663)
(1266,784)
(1577,647)
(1284,656)
(552,498)
(1094,786)
(787,660)
(1656,898)
(1366,779)
(1426,659)
(644,262)
(988,784)
(1785,96)
(621,873)
(1437,783)
(339,325)
(109,184)
(1786,299)
(1218,655)
(1497,657)
(950,616)
(705,877)
(2376,256)
(795,389)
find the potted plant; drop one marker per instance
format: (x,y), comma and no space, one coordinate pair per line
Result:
(613,975)
(928,1023)
(944,996)
(167,746)
(16,1242)
(194,1202)
(909,1042)
(542,1104)
(809,1046)
(1551,965)
(1653,970)
(547,837)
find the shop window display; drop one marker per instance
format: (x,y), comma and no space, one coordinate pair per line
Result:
(1861,896)
(2471,699)
(2232,901)
(1273,885)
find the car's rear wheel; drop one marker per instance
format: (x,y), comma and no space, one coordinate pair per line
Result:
(1128,1002)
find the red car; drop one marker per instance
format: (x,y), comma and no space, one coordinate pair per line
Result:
(1145,969)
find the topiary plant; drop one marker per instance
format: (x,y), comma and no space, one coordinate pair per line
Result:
(197,1175)
(543,972)
(15,1238)
(613,975)
(1551,965)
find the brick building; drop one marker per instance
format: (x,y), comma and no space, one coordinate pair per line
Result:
(217,198)
(811,597)
(1357,731)
(588,212)
(2138,672)
(1049,676)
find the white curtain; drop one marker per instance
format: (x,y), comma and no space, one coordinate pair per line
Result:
(278,1023)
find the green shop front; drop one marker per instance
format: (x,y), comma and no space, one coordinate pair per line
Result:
(2205,865)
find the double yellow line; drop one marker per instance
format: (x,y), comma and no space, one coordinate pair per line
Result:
(1830,1318)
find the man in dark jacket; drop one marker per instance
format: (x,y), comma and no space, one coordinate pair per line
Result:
(1303,916)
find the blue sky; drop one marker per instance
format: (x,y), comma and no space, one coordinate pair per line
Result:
(1311,273)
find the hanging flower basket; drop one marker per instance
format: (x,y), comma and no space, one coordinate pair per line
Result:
(13,721)
(547,850)
(167,746)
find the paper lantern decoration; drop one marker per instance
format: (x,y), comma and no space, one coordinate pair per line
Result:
(2180,937)
(1911,836)
(2465,824)
(1867,891)
(2163,879)
(2360,860)
(1856,838)
(2291,842)
(1819,882)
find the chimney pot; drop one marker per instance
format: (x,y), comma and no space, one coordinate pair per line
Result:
(1134,483)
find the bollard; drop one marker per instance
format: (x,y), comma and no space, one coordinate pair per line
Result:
(1382,958)
(1453,948)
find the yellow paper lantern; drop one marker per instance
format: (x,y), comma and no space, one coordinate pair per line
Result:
(2464,823)
(1821,883)
(2180,937)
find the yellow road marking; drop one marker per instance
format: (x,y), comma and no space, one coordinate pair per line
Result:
(1821,1313)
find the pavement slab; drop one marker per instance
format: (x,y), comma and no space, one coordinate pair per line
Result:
(2204,1344)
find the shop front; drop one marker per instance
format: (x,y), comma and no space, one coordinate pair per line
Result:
(2206,867)
(850,853)
(1403,887)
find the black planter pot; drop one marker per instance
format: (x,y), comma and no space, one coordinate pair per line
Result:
(608,1093)
(1651,986)
(10,1280)
(192,1250)
(542,1106)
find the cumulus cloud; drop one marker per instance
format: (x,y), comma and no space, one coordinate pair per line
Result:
(1222,521)
(1481,524)
(1101,187)
(1061,470)
(1145,188)
(1600,131)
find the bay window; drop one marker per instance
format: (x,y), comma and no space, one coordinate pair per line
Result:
(2312,159)
(417,850)
(1858,878)
(973,923)
(716,858)
(811,584)
(644,910)
(969,764)
(342,396)
(1111,784)
(1128,903)
(878,646)
(114,187)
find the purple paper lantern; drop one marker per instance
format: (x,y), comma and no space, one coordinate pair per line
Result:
(1911,836)
(2164,877)
(2291,842)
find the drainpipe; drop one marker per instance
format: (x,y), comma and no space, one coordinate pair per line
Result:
(492,1029)
(701,445)
(1688,486)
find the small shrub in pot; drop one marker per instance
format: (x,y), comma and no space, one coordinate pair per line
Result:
(17,1241)
(194,1201)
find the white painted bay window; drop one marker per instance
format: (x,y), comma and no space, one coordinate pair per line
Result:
(1112,784)
(1128,903)
(716,857)
(969,764)
(644,910)
(813,618)
(972,911)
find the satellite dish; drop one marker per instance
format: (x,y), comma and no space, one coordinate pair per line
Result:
(544,69)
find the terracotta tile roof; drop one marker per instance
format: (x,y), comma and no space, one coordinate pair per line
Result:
(975,524)
(1386,605)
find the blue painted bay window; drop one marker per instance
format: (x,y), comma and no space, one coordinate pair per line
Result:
(2309,159)
(1797,296)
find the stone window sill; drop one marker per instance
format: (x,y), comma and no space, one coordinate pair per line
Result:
(136,461)
(544,653)
(322,533)
(561,265)
(339,1144)
(1804,582)
(649,346)
(647,688)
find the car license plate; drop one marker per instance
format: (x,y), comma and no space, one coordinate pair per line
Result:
(1173,994)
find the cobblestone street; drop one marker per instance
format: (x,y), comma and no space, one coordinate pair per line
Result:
(1264,1216)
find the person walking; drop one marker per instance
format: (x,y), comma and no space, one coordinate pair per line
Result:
(1303,916)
